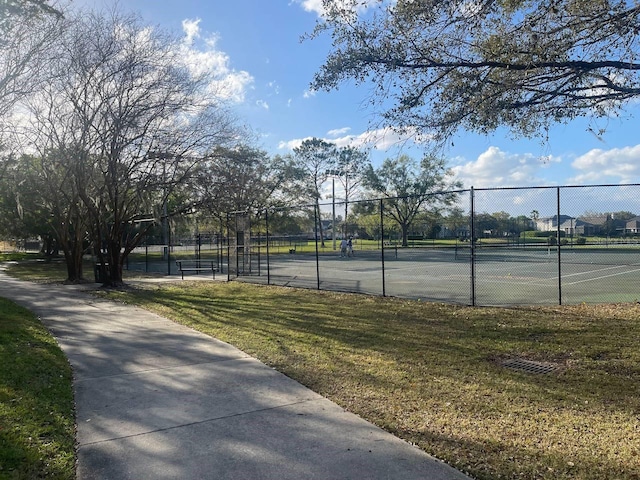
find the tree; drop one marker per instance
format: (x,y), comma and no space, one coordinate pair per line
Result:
(21,215)
(239,178)
(485,225)
(124,110)
(535,215)
(315,158)
(457,220)
(66,216)
(28,29)
(480,65)
(429,222)
(21,9)
(408,186)
(351,167)
(503,223)
(623,215)
(367,217)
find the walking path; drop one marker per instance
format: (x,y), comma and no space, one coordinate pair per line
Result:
(157,400)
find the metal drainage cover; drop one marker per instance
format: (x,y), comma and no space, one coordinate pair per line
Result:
(529,366)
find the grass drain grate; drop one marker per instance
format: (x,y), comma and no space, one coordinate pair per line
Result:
(529,366)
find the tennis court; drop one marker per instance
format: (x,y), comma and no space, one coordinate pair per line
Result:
(500,276)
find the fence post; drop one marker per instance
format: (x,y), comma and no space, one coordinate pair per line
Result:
(221,246)
(472,251)
(266,222)
(228,250)
(384,290)
(316,215)
(168,248)
(558,246)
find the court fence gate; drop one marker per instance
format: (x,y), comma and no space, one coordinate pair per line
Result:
(484,246)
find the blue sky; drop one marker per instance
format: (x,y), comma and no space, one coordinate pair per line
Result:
(255,47)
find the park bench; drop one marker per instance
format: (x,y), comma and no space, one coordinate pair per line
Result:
(196,266)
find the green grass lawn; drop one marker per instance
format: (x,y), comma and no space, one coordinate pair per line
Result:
(37,431)
(433,374)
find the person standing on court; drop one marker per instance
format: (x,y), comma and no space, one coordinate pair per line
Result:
(343,247)
(350,247)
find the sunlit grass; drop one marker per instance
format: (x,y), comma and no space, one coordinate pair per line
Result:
(36,268)
(432,374)
(37,433)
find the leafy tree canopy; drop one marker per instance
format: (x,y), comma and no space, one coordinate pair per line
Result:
(408,186)
(479,65)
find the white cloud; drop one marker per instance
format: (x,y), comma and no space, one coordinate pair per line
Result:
(338,131)
(309,93)
(312,6)
(382,139)
(496,168)
(262,104)
(191,29)
(291,144)
(618,165)
(315,6)
(206,59)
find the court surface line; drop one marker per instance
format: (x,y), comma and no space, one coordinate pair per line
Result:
(599,270)
(601,277)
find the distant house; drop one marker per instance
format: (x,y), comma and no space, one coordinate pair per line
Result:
(577,226)
(548,224)
(460,232)
(593,225)
(633,225)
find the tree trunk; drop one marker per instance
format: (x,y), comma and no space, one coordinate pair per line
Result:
(346,212)
(320,224)
(73,251)
(74,270)
(114,256)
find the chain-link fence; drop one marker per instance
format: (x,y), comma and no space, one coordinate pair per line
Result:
(510,246)
(182,240)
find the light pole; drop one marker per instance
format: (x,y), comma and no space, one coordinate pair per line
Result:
(333,174)
(333,212)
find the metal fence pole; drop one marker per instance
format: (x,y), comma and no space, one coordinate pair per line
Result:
(266,221)
(221,245)
(228,250)
(316,215)
(168,248)
(472,256)
(558,246)
(384,290)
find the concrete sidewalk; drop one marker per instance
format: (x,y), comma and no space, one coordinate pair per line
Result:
(156,400)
